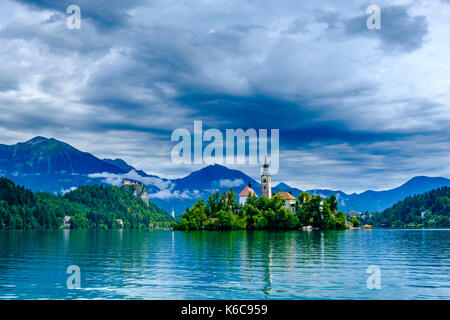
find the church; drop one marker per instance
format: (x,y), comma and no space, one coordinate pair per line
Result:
(266,190)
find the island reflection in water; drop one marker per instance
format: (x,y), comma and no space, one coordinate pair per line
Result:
(139,264)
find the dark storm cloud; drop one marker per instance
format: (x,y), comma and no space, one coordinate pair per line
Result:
(346,109)
(332,133)
(247,112)
(399,30)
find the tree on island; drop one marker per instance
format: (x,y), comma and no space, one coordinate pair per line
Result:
(222,212)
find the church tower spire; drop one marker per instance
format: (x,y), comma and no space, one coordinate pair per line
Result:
(266,183)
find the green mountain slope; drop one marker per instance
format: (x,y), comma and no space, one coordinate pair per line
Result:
(430,209)
(49,156)
(87,206)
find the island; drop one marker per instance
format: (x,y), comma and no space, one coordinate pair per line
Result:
(281,211)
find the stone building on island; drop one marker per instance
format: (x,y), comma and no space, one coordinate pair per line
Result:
(289,200)
(244,194)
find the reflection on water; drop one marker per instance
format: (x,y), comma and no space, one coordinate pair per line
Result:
(134,264)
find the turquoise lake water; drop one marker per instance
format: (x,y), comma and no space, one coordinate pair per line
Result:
(134,264)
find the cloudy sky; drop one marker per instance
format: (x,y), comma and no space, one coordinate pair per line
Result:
(357,109)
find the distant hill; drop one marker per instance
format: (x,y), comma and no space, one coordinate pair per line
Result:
(43,164)
(49,156)
(87,206)
(215,176)
(46,164)
(201,183)
(429,209)
(121,164)
(379,200)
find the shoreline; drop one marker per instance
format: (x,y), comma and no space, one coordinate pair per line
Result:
(250,230)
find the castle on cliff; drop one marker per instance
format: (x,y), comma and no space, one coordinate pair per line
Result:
(138,188)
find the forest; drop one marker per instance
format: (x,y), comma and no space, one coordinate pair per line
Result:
(89,207)
(222,212)
(430,209)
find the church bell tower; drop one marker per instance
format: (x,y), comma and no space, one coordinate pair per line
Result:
(266,183)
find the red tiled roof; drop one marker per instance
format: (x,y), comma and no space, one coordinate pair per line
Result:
(286,195)
(246,191)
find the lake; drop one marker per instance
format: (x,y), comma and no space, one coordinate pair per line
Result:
(138,264)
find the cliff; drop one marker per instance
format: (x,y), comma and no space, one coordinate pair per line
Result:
(139,191)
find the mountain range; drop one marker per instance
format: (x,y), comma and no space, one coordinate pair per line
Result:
(43,164)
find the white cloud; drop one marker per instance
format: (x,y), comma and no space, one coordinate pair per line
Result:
(166,187)
(117,179)
(227,183)
(64,191)
(169,194)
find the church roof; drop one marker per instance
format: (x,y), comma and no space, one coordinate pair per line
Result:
(286,195)
(246,191)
